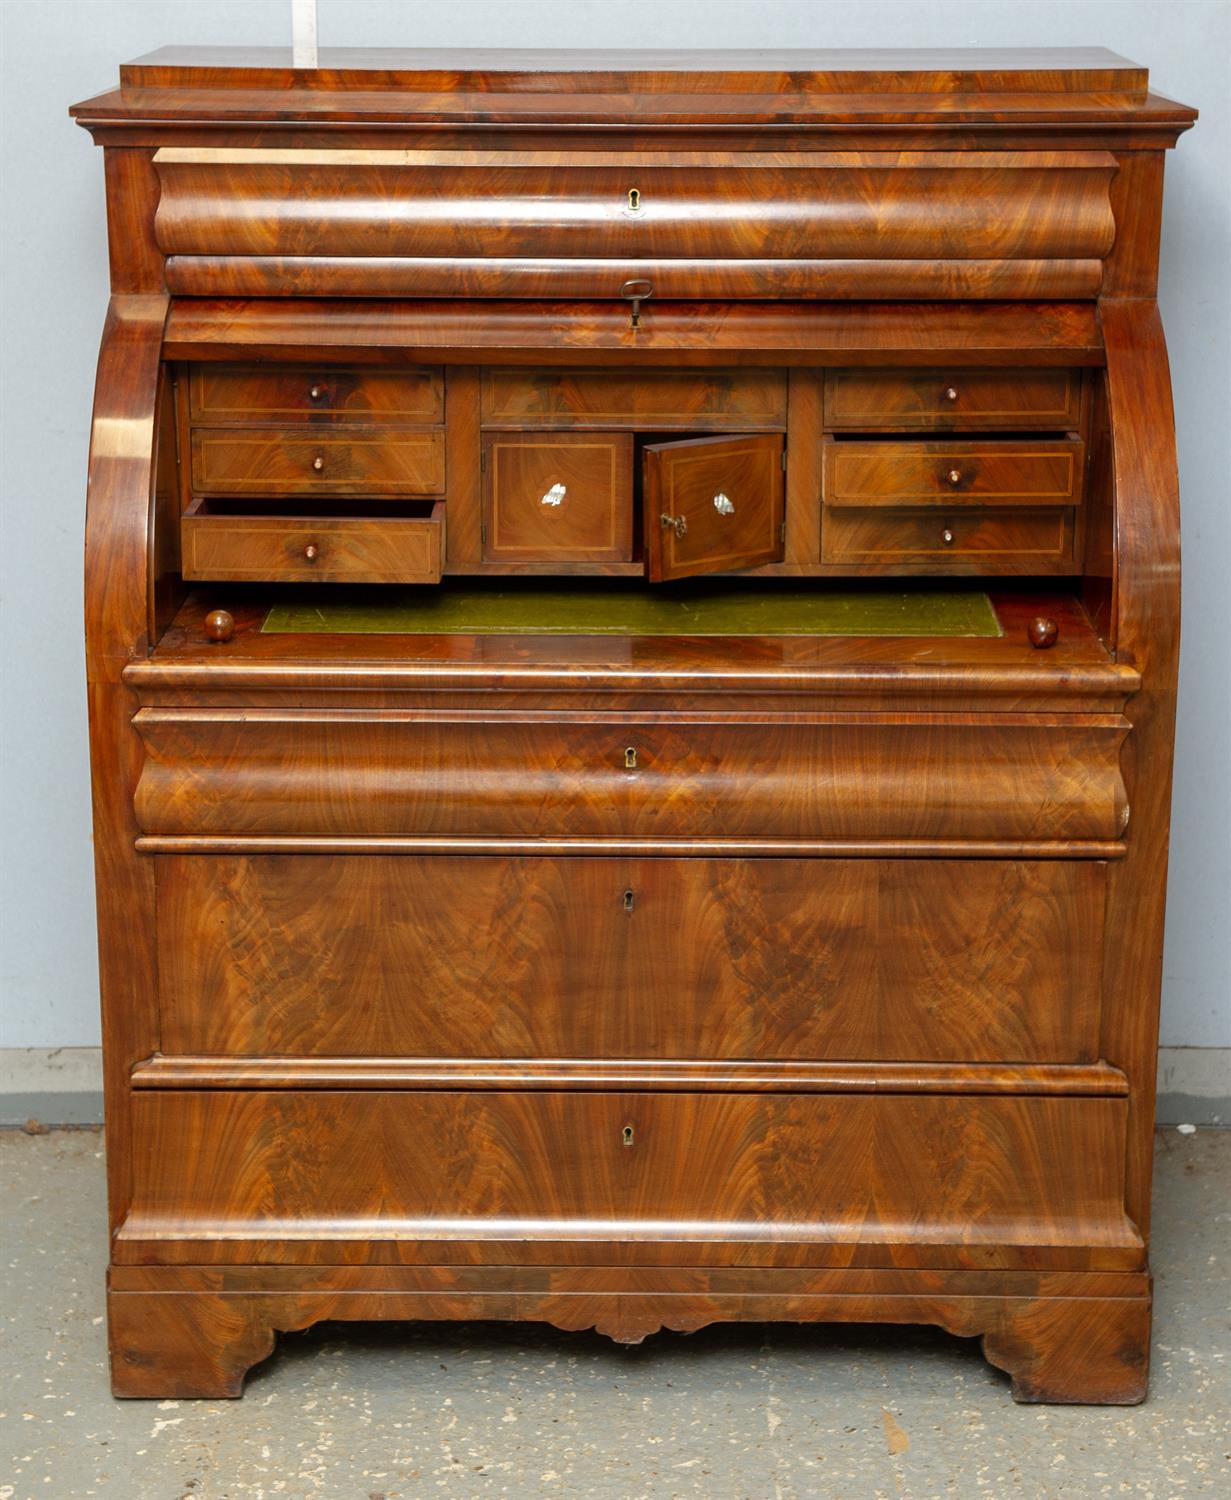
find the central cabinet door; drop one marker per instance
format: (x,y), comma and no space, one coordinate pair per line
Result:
(713,504)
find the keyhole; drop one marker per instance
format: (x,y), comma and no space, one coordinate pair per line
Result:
(627,1135)
(629,900)
(630,758)
(634,200)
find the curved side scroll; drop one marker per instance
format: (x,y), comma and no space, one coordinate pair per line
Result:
(1147,627)
(121,477)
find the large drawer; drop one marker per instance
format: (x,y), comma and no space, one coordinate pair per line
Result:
(260,462)
(300,956)
(359,772)
(609,1177)
(461,207)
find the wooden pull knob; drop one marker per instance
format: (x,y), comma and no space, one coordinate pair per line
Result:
(318,463)
(1042,632)
(950,393)
(946,536)
(219,626)
(311,552)
(316,392)
(954,476)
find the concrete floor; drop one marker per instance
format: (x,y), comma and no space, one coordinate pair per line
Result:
(361,1412)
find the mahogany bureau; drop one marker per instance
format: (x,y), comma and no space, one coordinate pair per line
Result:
(631,618)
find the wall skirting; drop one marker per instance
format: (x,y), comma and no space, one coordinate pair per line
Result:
(63,1086)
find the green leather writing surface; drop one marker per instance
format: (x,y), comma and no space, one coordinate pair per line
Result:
(600,607)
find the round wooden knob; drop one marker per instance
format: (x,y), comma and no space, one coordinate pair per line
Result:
(311,552)
(318,463)
(1042,632)
(946,536)
(954,476)
(950,393)
(219,625)
(316,392)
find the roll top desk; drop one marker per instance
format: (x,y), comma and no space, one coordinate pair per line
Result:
(631,619)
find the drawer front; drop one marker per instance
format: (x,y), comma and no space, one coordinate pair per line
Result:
(532,1177)
(238,461)
(995,776)
(491,957)
(313,549)
(904,400)
(954,473)
(972,539)
(558,497)
(630,205)
(650,400)
(235,394)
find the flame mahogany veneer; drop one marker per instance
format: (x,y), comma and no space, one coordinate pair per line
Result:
(632,983)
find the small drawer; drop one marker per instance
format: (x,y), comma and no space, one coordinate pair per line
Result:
(970,540)
(557,497)
(224,545)
(238,461)
(951,473)
(909,400)
(230,394)
(648,400)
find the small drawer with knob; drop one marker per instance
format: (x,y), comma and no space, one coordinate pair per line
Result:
(269,461)
(240,394)
(952,472)
(222,543)
(958,400)
(969,539)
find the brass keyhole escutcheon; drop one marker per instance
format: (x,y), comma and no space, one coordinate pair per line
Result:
(634,200)
(626,1135)
(630,758)
(630,900)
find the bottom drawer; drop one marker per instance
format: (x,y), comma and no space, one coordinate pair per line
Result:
(526,1177)
(969,539)
(224,543)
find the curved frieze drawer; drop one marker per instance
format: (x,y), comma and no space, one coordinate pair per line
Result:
(549,1177)
(357,772)
(518,223)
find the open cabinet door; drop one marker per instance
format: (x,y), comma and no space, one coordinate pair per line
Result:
(712,504)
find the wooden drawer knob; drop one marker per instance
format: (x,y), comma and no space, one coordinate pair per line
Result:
(311,552)
(318,463)
(316,393)
(946,536)
(219,626)
(954,476)
(1043,632)
(950,393)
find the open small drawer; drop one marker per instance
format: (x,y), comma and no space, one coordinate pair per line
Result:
(224,541)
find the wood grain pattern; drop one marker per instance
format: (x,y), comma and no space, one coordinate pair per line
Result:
(290,202)
(558,497)
(652,401)
(540,958)
(674,1170)
(626,983)
(229,395)
(260,461)
(223,545)
(288,771)
(910,400)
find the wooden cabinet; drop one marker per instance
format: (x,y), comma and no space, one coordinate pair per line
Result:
(737,893)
